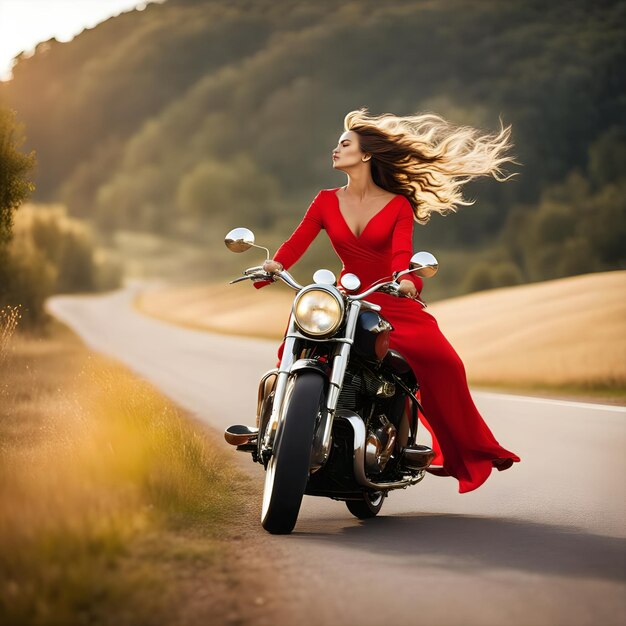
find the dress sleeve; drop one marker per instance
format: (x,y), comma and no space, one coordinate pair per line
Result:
(303,236)
(292,249)
(402,244)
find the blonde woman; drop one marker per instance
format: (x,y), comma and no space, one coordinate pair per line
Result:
(401,169)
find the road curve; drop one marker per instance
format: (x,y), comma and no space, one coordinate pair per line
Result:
(541,543)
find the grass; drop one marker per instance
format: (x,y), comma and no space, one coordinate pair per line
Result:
(564,337)
(112,503)
(607,395)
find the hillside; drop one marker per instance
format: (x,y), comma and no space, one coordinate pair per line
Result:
(568,333)
(193,114)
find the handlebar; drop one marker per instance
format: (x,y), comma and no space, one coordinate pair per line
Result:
(258,274)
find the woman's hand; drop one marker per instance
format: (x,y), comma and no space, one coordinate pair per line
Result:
(272,267)
(407,288)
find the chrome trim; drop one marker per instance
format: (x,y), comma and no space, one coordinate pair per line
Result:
(370,305)
(371,290)
(261,393)
(340,363)
(288,279)
(240,434)
(383,325)
(379,446)
(239,239)
(324,277)
(350,282)
(280,388)
(424,264)
(423,454)
(298,335)
(322,441)
(353,314)
(309,364)
(386,389)
(358,426)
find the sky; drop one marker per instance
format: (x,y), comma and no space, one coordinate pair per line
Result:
(25,23)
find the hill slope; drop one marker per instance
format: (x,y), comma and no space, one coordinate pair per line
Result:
(563,333)
(194,116)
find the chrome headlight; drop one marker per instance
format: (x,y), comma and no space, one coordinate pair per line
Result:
(318,312)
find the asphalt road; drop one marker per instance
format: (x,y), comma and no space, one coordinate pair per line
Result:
(541,543)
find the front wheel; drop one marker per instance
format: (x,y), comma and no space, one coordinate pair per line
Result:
(368,507)
(287,471)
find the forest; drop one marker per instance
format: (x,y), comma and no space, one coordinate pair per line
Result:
(191,117)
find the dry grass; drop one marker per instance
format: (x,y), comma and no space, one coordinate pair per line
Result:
(567,334)
(111,503)
(228,309)
(9,319)
(564,333)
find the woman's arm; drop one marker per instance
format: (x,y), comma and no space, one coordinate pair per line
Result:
(402,245)
(303,236)
(292,249)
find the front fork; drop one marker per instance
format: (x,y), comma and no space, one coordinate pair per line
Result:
(322,443)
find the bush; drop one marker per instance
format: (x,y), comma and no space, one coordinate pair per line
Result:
(490,275)
(31,278)
(506,274)
(478,278)
(109,272)
(51,253)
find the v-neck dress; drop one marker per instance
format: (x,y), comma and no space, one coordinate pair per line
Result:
(465,446)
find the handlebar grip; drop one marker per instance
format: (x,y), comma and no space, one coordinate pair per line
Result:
(238,280)
(260,277)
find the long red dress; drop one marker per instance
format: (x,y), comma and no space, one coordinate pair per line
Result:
(463,442)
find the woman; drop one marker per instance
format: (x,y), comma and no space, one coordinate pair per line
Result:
(401,169)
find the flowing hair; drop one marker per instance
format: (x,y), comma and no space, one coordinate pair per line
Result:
(427,159)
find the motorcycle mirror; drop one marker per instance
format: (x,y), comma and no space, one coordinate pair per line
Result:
(324,277)
(239,239)
(350,282)
(423,264)
(242,239)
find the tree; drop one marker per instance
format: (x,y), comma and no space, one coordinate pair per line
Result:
(15,185)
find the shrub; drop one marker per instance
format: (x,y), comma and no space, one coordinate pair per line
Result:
(51,253)
(478,278)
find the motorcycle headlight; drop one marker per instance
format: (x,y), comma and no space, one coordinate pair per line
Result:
(318,312)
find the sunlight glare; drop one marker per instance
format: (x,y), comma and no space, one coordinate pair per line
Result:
(25,23)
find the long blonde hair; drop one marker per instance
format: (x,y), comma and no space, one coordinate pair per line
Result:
(427,159)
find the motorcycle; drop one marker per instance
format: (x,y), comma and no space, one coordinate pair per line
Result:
(338,417)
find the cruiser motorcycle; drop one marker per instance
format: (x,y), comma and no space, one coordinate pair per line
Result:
(338,417)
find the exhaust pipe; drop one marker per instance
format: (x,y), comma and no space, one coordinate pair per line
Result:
(241,435)
(417,457)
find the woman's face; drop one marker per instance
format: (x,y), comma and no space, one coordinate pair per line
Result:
(348,152)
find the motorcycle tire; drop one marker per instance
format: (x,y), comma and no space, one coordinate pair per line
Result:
(368,507)
(287,471)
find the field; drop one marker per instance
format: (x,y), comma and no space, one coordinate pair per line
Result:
(566,335)
(115,507)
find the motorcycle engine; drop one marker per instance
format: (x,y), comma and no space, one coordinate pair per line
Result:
(365,393)
(381,439)
(355,387)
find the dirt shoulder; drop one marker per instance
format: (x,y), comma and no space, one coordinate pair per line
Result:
(116,507)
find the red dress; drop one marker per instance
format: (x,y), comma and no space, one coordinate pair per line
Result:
(463,442)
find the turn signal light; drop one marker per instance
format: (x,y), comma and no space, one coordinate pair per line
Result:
(381,347)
